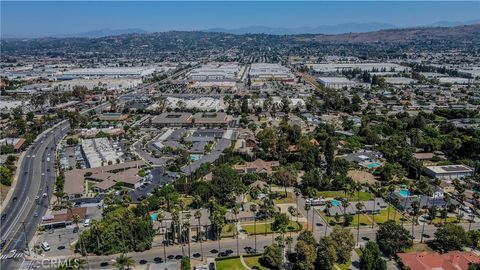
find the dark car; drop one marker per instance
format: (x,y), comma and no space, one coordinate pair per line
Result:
(61,247)
(229,251)
(104,264)
(178,257)
(213,251)
(4,216)
(75,229)
(142,262)
(196,255)
(158,260)
(170,257)
(223,254)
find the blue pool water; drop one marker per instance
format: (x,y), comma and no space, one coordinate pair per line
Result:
(404,192)
(195,157)
(153,216)
(373,165)
(336,202)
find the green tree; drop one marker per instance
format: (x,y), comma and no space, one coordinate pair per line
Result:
(272,256)
(330,146)
(185,264)
(6,176)
(344,243)
(451,237)
(371,258)
(326,254)
(124,262)
(307,237)
(393,238)
(306,256)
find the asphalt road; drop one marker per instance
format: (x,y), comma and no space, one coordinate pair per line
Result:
(36,177)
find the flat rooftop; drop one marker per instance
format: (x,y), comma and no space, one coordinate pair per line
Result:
(450,169)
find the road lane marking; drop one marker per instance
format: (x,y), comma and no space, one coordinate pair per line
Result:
(5,234)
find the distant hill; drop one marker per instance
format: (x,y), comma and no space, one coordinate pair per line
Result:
(106,33)
(323,29)
(466,33)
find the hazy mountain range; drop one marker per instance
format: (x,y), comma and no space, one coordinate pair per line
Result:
(322,29)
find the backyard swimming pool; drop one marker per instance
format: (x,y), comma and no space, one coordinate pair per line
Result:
(336,202)
(153,216)
(373,165)
(404,192)
(195,157)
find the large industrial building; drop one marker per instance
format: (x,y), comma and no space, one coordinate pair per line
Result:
(336,82)
(372,67)
(109,72)
(216,72)
(270,72)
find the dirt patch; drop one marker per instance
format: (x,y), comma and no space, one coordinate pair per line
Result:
(362,177)
(3,192)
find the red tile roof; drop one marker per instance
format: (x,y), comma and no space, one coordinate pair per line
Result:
(454,260)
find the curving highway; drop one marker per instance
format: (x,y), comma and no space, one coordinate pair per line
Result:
(30,199)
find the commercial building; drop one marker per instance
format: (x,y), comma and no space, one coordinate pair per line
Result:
(75,179)
(449,171)
(187,119)
(371,67)
(336,82)
(109,72)
(270,72)
(100,151)
(215,72)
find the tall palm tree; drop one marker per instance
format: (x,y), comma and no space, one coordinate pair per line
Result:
(254,208)
(123,262)
(415,210)
(198,216)
(447,202)
(359,207)
(328,205)
(307,208)
(235,211)
(297,193)
(160,216)
(391,189)
(289,241)
(186,229)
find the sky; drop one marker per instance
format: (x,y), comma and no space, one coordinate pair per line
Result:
(41,18)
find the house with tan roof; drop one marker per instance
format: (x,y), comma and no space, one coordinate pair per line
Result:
(257,166)
(107,177)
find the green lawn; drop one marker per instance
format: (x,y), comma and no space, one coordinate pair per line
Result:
(293,226)
(382,217)
(439,220)
(344,266)
(363,196)
(419,247)
(228,230)
(253,261)
(230,264)
(282,199)
(366,220)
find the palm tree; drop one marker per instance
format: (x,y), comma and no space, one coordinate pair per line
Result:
(415,209)
(123,262)
(160,216)
(289,241)
(297,193)
(395,203)
(447,202)
(359,207)
(186,228)
(235,211)
(254,208)
(328,205)
(307,208)
(198,216)
(391,188)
